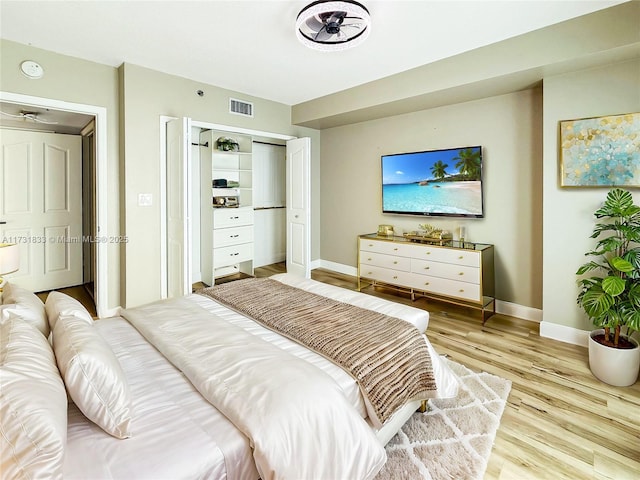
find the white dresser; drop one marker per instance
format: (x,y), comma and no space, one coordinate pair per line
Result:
(451,271)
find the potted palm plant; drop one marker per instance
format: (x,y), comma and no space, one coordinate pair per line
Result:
(611,298)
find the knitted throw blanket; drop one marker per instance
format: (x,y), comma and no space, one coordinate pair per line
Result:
(387,356)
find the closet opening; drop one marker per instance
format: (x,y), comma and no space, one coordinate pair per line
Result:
(239,197)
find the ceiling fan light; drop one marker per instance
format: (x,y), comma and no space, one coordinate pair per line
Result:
(352,9)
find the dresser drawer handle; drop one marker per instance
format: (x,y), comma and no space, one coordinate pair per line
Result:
(234,236)
(461,273)
(234,254)
(234,218)
(395,249)
(369,273)
(426,283)
(460,257)
(369,258)
(371,244)
(395,277)
(395,263)
(461,290)
(427,268)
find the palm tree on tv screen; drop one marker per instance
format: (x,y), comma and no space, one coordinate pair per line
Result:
(468,163)
(439,169)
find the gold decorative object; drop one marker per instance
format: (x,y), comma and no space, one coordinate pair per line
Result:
(429,231)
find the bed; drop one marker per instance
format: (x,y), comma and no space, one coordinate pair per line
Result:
(282,410)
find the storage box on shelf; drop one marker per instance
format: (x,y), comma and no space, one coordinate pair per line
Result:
(226,221)
(452,271)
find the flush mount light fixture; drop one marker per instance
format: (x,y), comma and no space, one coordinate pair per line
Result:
(31,69)
(330,26)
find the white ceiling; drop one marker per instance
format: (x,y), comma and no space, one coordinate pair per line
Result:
(12,115)
(251,47)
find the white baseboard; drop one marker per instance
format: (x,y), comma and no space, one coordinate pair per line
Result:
(506,308)
(337,267)
(564,333)
(519,311)
(270,260)
(316,264)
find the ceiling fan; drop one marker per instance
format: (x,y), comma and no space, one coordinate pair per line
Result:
(31,116)
(328,25)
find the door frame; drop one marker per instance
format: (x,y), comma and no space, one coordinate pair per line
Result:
(100,116)
(188,194)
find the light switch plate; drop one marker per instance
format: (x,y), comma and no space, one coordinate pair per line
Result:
(145,199)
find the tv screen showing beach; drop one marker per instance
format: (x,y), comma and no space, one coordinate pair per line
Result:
(438,182)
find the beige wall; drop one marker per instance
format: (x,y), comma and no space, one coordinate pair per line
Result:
(146,95)
(509,128)
(346,183)
(135,98)
(77,81)
(568,213)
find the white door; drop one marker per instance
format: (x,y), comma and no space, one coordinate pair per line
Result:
(41,203)
(178,207)
(299,207)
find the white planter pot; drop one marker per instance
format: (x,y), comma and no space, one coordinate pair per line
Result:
(615,366)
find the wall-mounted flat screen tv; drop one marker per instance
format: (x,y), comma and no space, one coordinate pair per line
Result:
(444,183)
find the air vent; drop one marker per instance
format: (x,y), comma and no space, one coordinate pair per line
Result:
(240,108)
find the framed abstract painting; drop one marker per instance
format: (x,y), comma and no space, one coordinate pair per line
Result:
(601,151)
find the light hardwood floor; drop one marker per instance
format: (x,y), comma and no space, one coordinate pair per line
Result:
(560,421)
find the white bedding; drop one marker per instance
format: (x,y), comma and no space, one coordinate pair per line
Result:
(300,424)
(176,433)
(346,382)
(171,417)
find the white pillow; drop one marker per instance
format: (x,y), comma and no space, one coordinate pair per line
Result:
(33,406)
(92,375)
(19,302)
(58,304)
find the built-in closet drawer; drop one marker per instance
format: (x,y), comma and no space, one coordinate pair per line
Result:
(223,237)
(232,217)
(224,256)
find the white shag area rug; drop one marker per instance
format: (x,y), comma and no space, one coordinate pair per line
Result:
(454,437)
